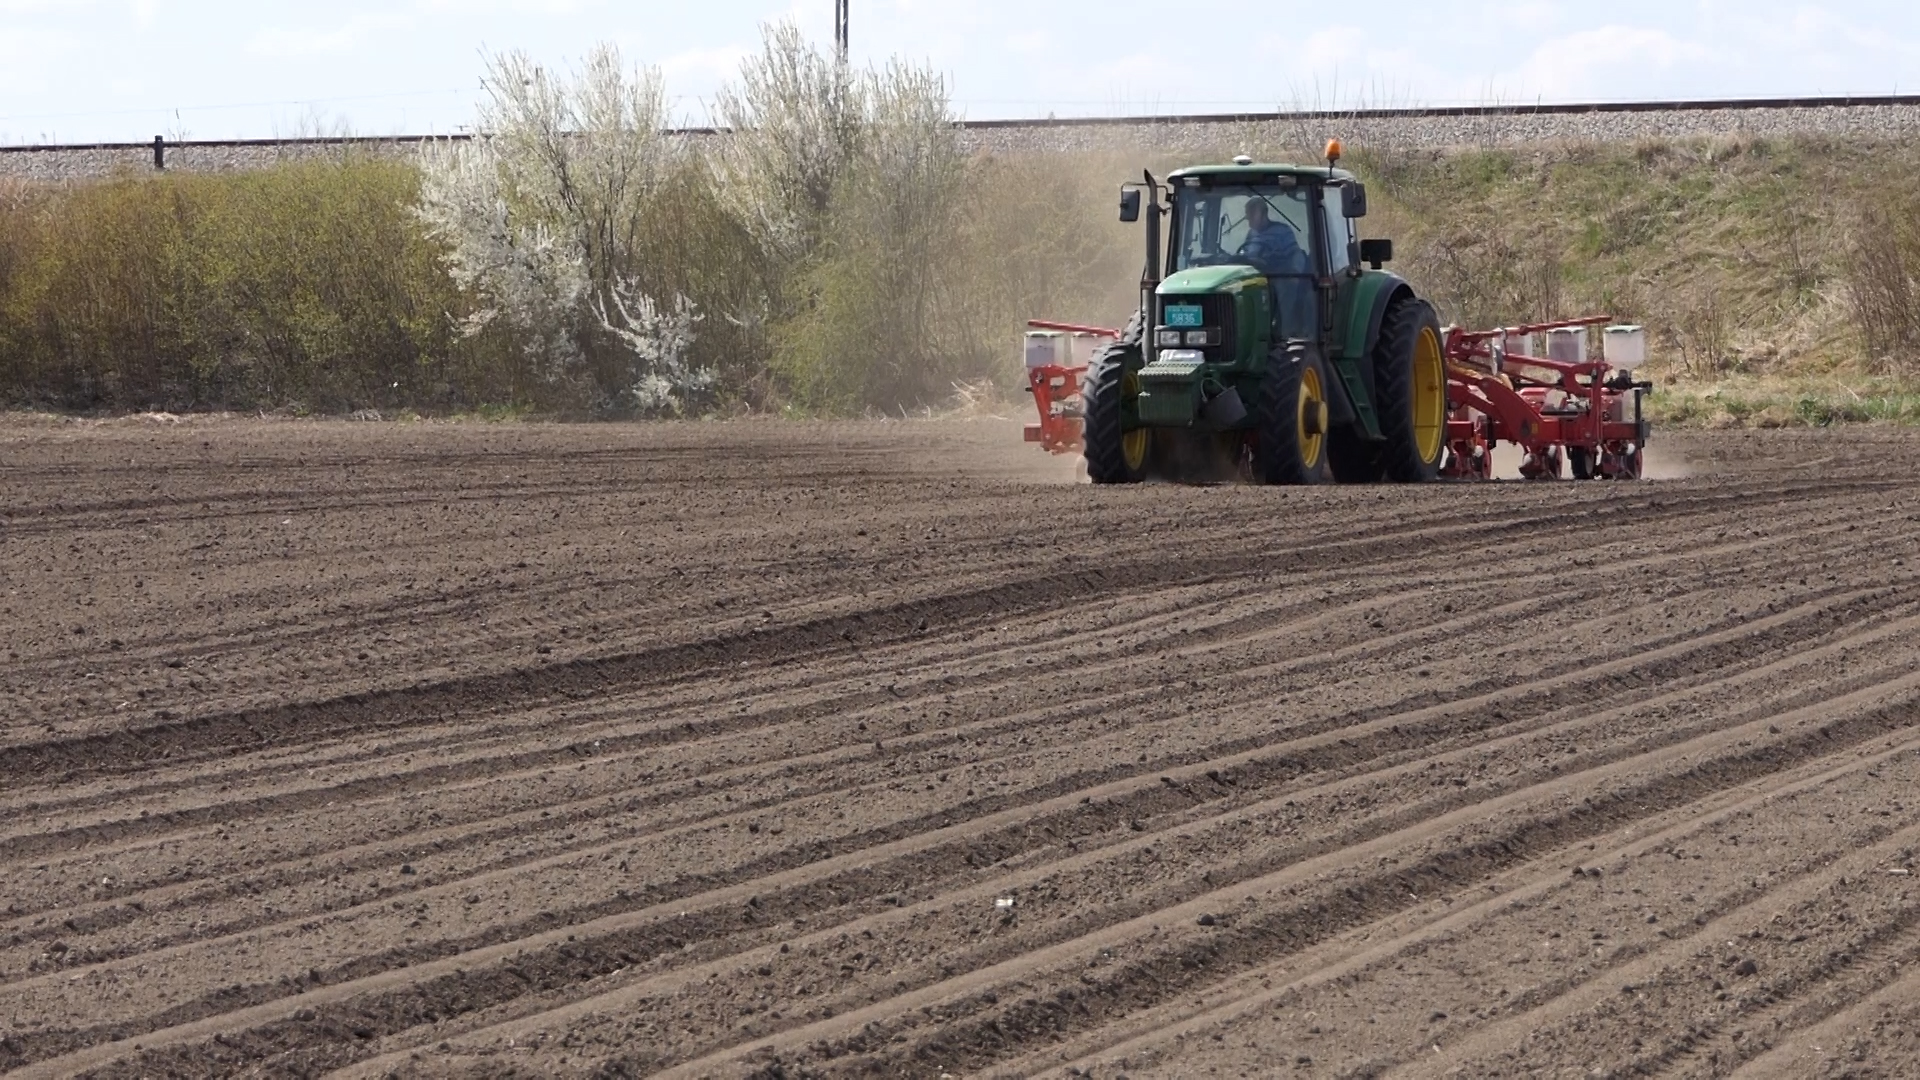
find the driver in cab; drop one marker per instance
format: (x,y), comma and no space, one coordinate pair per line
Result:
(1271,246)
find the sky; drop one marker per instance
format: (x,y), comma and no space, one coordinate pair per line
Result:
(127,70)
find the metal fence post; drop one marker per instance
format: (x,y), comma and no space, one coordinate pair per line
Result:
(159,153)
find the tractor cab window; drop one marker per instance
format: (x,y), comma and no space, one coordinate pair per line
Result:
(1339,233)
(1265,226)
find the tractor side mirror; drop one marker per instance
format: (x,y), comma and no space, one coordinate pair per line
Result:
(1375,252)
(1129,204)
(1353,200)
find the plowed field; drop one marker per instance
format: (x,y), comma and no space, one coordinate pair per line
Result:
(778,750)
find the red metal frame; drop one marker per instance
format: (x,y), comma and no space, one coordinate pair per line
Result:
(1056,394)
(1072,328)
(1551,409)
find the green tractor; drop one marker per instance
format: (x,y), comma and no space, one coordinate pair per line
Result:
(1269,343)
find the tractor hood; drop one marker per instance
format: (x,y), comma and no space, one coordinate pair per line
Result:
(1201,280)
(1191,384)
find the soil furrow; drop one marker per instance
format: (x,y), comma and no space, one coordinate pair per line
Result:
(1252,774)
(588,955)
(716,749)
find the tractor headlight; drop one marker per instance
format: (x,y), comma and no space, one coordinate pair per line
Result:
(1198,337)
(1167,339)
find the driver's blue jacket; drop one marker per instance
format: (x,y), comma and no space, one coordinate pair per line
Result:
(1275,250)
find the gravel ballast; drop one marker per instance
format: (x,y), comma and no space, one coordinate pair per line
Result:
(1877,120)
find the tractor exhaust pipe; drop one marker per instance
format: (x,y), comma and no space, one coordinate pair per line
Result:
(1150,277)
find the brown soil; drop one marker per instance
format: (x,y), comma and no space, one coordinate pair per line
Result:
(885,749)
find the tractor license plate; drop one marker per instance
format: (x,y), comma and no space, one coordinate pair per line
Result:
(1183,315)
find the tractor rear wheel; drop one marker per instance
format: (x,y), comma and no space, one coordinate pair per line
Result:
(1115,454)
(1292,439)
(1410,392)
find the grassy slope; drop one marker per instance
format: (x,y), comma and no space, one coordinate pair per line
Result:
(1740,255)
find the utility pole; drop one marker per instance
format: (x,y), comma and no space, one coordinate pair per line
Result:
(840,34)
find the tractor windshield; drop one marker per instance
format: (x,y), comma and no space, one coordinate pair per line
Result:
(1264,226)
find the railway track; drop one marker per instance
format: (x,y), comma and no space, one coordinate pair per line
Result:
(1488,111)
(1891,116)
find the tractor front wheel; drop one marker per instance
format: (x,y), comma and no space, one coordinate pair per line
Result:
(1292,438)
(1410,387)
(1115,453)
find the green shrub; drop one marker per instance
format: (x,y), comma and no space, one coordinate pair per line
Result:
(309,284)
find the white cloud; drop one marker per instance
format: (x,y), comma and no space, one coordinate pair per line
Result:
(537,7)
(284,42)
(1838,51)
(1603,63)
(29,7)
(1141,82)
(1029,43)
(704,65)
(33,60)
(1535,17)
(1347,66)
(1324,50)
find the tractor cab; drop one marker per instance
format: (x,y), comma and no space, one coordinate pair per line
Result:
(1284,224)
(1265,228)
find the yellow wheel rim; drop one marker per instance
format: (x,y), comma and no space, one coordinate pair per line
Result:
(1429,395)
(1310,427)
(1134,444)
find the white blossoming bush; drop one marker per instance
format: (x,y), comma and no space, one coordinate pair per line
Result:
(523,274)
(542,214)
(660,341)
(796,123)
(832,250)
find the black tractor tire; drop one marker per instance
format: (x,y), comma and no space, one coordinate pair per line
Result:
(1352,459)
(1102,396)
(1399,395)
(1292,402)
(1581,462)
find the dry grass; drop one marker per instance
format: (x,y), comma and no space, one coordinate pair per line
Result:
(1742,256)
(1785,401)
